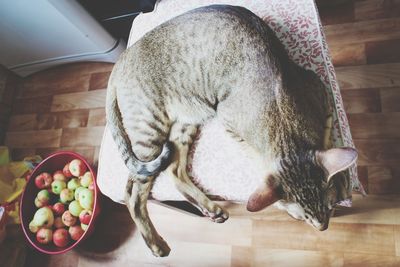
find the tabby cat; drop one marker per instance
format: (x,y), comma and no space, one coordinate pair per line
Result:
(225,62)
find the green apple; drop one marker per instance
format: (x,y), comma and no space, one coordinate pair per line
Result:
(57,186)
(84,226)
(66,195)
(43,217)
(44,196)
(73,184)
(38,203)
(77,191)
(33,227)
(86,179)
(86,199)
(75,208)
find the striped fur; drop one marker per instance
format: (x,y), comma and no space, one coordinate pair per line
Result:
(225,62)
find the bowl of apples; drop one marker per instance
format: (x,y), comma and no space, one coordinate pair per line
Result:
(60,203)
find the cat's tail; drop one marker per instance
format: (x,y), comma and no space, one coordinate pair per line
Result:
(121,138)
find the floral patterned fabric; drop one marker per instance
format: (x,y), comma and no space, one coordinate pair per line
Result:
(219,165)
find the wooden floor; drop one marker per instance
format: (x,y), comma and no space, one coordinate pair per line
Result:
(63,108)
(367,234)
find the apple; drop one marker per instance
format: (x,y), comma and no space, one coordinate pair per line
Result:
(58,208)
(33,227)
(66,171)
(59,176)
(91,186)
(68,219)
(66,195)
(43,180)
(43,217)
(44,235)
(77,191)
(38,203)
(86,179)
(57,186)
(75,208)
(44,196)
(84,226)
(77,167)
(76,232)
(86,199)
(85,216)
(58,223)
(60,237)
(73,184)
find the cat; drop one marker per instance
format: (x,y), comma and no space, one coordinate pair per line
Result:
(222,61)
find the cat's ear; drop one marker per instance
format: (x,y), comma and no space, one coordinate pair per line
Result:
(267,194)
(335,160)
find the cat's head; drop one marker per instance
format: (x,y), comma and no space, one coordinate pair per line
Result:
(306,186)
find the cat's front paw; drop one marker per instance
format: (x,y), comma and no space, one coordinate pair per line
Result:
(216,214)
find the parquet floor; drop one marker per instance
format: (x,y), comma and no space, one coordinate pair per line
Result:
(368,234)
(63,108)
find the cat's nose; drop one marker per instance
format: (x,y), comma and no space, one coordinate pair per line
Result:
(320,226)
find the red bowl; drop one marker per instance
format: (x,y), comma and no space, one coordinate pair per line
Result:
(52,163)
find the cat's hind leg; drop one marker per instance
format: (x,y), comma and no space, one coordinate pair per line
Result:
(181,136)
(136,194)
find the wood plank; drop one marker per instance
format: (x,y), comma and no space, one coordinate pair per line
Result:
(377,151)
(61,84)
(83,100)
(34,139)
(97,117)
(62,79)
(375,125)
(345,55)
(383,179)
(383,52)
(362,238)
(361,101)
(363,31)
(82,136)
(20,153)
(242,257)
(212,233)
(99,80)
(390,99)
(372,209)
(22,122)
(369,76)
(86,151)
(57,120)
(339,13)
(376,9)
(295,258)
(355,259)
(397,238)
(32,105)
(362,172)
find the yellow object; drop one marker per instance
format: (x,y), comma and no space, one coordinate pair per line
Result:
(12,181)
(4,155)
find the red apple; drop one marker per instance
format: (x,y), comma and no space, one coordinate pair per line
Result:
(60,237)
(68,219)
(85,216)
(76,232)
(44,235)
(58,223)
(59,175)
(77,167)
(58,208)
(66,171)
(43,180)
